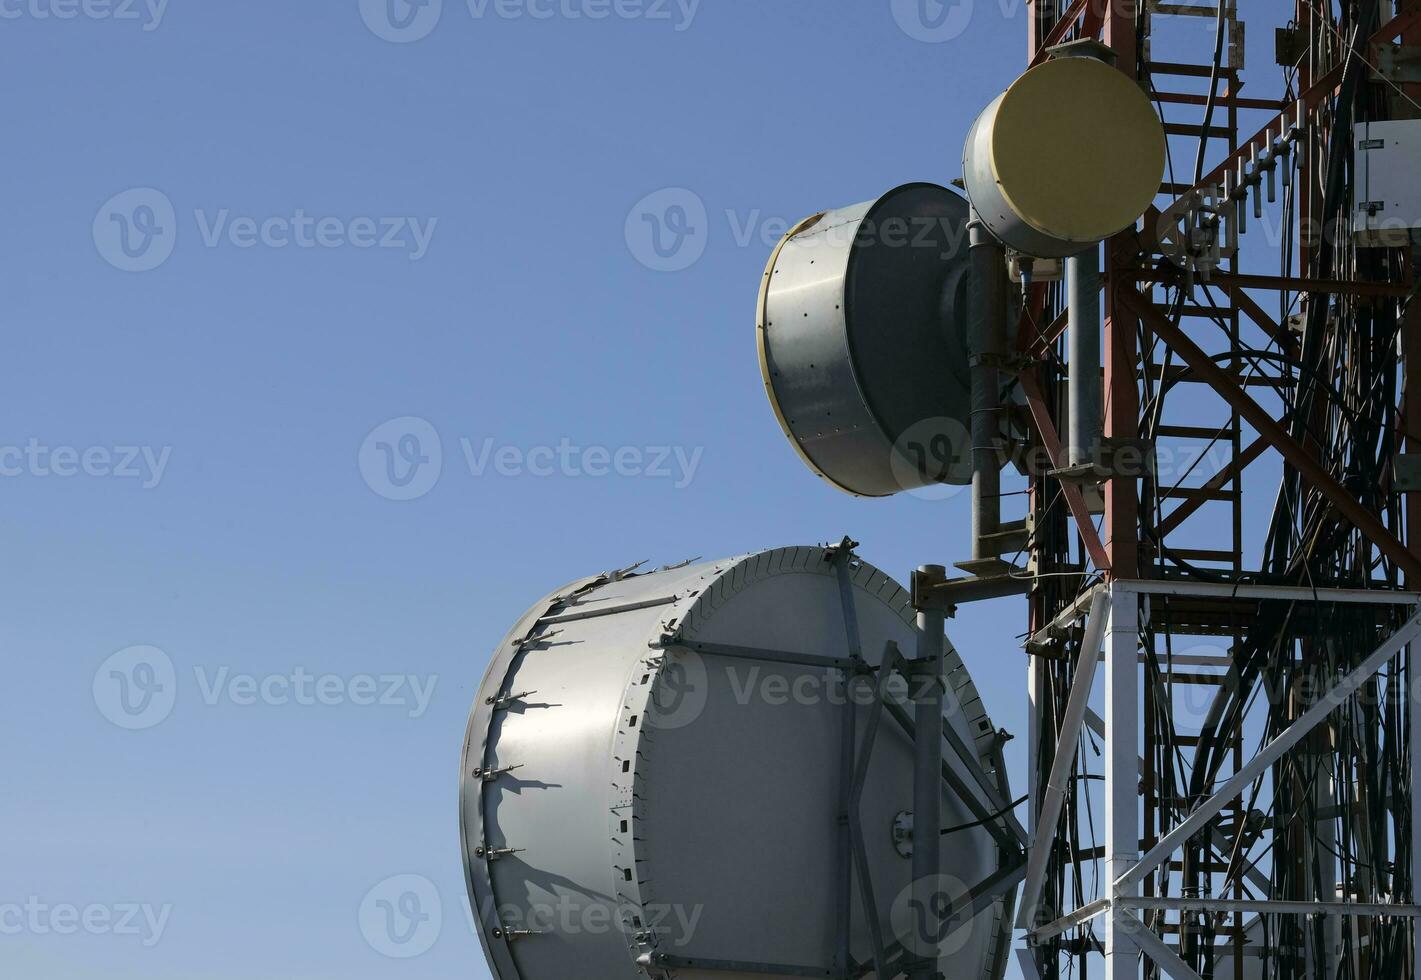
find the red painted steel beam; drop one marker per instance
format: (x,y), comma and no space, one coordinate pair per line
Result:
(1411,346)
(1323,88)
(1238,102)
(1031,313)
(1058,33)
(1027,335)
(1406,22)
(1267,426)
(1042,340)
(1254,312)
(1411,420)
(1295,283)
(1121,410)
(1051,441)
(1216,482)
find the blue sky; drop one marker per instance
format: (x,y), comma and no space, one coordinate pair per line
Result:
(243,243)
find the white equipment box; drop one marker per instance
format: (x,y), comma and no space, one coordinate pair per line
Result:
(1388,193)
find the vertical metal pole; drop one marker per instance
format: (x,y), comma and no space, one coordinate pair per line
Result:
(848,738)
(1036,695)
(986,328)
(1083,340)
(1121,355)
(928,688)
(1036,676)
(1122,774)
(1413,740)
(1324,960)
(1411,420)
(849,762)
(1305,187)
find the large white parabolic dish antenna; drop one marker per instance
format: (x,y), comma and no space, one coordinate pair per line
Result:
(650,788)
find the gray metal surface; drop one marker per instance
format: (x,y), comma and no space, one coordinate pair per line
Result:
(986,345)
(927,792)
(675,811)
(1388,195)
(1000,217)
(1083,337)
(862,335)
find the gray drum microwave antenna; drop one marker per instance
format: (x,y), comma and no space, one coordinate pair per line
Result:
(1070,154)
(862,335)
(660,780)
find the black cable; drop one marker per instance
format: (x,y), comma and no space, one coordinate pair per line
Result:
(1209,103)
(986,819)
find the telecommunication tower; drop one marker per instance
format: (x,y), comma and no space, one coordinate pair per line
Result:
(1188,318)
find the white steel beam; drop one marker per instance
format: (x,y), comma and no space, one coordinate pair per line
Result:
(1062,622)
(1221,842)
(1053,796)
(1026,962)
(1070,920)
(1413,688)
(1271,753)
(1154,947)
(1122,779)
(1273,907)
(1297,593)
(1036,696)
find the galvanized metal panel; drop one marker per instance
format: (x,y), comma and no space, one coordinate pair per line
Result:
(687,805)
(1388,201)
(862,336)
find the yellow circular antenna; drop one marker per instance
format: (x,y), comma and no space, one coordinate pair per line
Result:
(1072,153)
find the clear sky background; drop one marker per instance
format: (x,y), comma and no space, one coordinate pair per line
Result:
(193,360)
